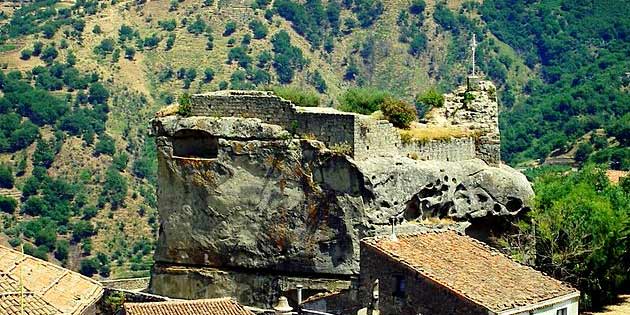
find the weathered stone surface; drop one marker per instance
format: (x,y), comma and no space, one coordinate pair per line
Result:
(266,206)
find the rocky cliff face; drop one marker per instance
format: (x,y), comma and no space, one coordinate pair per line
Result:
(246,210)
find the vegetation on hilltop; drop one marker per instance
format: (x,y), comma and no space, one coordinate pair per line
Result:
(578,231)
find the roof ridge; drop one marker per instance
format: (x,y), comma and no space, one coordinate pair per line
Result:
(181,301)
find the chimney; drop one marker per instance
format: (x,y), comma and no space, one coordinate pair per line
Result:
(282,307)
(299,294)
(392,221)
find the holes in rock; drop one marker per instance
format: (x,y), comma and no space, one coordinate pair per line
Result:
(482,198)
(195,144)
(438,182)
(497,208)
(444,188)
(385,204)
(428,192)
(454,180)
(460,187)
(445,179)
(513,204)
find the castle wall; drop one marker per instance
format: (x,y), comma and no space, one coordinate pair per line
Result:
(442,150)
(365,136)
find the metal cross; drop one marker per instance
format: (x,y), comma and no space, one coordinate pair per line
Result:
(474,47)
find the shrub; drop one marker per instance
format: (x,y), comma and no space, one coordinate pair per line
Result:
(230,28)
(82,229)
(105,145)
(259,29)
(208,75)
(6,176)
(89,266)
(299,97)
(7,204)
(362,100)
(431,98)
(62,250)
(185,106)
(26,54)
(398,112)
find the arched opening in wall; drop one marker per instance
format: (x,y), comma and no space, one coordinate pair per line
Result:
(195,144)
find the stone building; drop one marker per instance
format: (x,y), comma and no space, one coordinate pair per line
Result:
(42,288)
(447,273)
(257,195)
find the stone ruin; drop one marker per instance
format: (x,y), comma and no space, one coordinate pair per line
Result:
(256,195)
(474,109)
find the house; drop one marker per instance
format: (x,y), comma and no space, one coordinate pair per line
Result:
(448,273)
(219,306)
(41,288)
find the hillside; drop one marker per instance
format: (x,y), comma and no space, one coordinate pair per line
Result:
(105,67)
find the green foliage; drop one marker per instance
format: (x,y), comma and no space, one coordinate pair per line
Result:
(114,189)
(26,54)
(105,145)
(362,100)
(197,27)
(208,75)
(89,266)
(258,29)
(400,113)
(577,92)
(185,106)
(7,204)
(6,176)
(578,232)
(62,249)
(317,80)
(417,6)
(168,25)
(230,28)
(287,57)
(428,100)
(44,154)
(82,229)
(299,97)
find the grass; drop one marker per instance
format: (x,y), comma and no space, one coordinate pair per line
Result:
(7,47)
(417,134)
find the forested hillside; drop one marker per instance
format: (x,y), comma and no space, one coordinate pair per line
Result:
(80,80)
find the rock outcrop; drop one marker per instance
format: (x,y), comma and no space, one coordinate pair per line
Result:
(247,210)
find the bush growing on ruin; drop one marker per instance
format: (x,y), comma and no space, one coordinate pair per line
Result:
(185,108)
(299,97)
(362,100)
(398,112)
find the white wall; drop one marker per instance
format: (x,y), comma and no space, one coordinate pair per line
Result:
(570,304)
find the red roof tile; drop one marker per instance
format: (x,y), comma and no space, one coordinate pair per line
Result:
(471,269)
(220,306)
(46,288)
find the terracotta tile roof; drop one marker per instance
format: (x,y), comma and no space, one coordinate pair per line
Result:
(614,176)
(471,269)
(48,288)
(220,306)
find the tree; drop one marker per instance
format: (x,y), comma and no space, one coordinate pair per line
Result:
(49,54)
(230,28)
(114,189)
(82,229)
(105,145)
(259,29)
(98,94)
(208,75)
(6,176)
(427,100)
(362,100)
(7,204)
(398,112)
(577,231)
(44,154)
(89,267)
(62,249)
(417,6)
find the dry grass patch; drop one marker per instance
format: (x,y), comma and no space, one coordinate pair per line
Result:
(167,111)
(425,134)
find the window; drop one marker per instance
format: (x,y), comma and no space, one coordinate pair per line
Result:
(194,144)
(562,311)
(400,286)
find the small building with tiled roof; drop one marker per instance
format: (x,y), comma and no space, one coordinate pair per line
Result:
(451,274)
(219,306)
(41,288)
